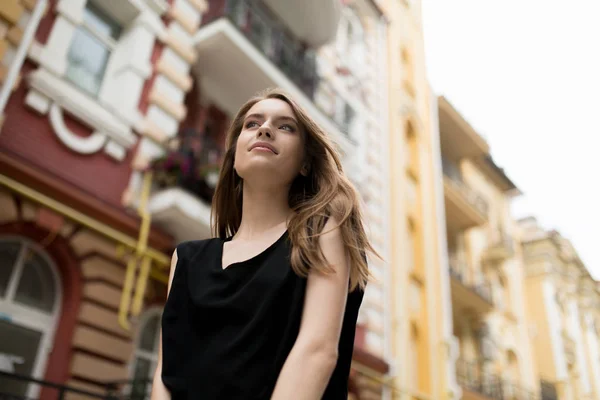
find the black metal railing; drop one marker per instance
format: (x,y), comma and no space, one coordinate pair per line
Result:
(471,376)
(192,165)
(18,387)
(452,172)
(293,57)
(548,390)
(270,36)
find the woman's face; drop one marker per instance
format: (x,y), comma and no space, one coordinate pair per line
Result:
(270,147)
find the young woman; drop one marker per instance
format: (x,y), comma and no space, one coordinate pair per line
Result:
(268,308)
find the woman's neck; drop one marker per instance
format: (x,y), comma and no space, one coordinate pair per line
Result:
(263,209)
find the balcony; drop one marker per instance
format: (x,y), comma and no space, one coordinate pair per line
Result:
(458,139)
(549,391)
(479,385)
(466,297)
(465,208)
(244,47)
(501,249)
(476,384)
(184,181)
(324,16)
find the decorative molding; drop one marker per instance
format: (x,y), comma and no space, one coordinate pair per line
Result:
(184,82)
(38,102)
(83,145)
(72,10)
(29,4)
(88,110)
(152,23)
(174,109)
(158,6)
(115,150)
(15,35)
(11,11)
(151,130)
(185,51)
(200,5)
(183,19)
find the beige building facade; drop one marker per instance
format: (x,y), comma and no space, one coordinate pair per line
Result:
(563,304)
(422,343)
(487,280)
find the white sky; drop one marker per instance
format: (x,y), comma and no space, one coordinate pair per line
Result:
(526,75)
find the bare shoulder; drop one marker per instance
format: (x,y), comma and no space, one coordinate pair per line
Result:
(331,232)
(332,245)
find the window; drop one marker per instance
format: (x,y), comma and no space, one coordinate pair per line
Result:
(413,359)
(92,45)
(146,354)
(409,68)
(413,150)
(29,305)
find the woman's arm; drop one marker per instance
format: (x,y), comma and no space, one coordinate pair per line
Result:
(308,367)
(159,391)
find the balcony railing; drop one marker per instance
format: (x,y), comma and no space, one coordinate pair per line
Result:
(293,57)
(13,386)
(452,172)
(484,289)
(270,36)
(192,165)
(548,390)
(470,376)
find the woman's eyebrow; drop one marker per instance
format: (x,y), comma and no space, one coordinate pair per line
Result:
(255,115)
(281,118)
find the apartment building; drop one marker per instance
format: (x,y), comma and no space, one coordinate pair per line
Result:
(94,94)
(564,314)
(421,357)
(487,282)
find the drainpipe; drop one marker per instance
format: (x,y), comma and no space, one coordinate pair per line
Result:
(132,264)
(15,66)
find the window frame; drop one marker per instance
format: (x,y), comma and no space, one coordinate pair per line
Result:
(30,317)
(137,352)
(107,41)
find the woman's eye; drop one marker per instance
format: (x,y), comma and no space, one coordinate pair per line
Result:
(251,124)
(287,128)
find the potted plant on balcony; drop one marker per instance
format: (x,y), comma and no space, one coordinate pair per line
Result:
(192,162)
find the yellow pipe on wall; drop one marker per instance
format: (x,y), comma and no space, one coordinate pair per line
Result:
(124,242)
(126,294)
(82,219)
(140,289)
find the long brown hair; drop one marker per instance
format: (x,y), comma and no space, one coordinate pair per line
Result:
(324,193)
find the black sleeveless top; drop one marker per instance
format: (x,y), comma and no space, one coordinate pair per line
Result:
(226,333)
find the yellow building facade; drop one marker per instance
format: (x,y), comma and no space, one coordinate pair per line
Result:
(421,362)
(495,357)
(564,312)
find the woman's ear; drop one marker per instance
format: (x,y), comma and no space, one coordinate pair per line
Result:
(304,170)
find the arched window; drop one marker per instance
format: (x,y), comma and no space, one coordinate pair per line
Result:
(30,297)
(146,353)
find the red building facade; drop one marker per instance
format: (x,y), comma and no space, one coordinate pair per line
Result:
(92,94)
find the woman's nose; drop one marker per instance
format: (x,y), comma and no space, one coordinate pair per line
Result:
(265,130)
